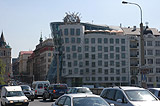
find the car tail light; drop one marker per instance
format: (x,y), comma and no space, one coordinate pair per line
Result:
(35,91)
(54,91)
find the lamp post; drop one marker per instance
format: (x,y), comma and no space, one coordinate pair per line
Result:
(141,40)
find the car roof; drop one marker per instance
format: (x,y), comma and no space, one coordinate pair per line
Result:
(81,95)
(126,88)
(13,88)
(154,88)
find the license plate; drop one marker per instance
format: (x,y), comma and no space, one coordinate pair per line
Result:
(18,104)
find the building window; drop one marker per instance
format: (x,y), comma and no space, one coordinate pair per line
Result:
(93,49)
(77,31)
(99,62)
(111,63)
(78,40)
(86,40)
(150,61)
(105,56)
(93,64)
(111,55)
(76,71)
(157,43)
(117,71)
(65,31)
(93,56)
(99,40)
(79,49)
(72,31)
(93,72)
(93,40)
(87,63)
(106,64)
(81,72)
(93,79)
(149,52)
(69,64)
(105,49)
(157,52)
(86,55)
(99,70)
(87,78)
(117,49)
(117,41)
(123,55)
(123,78)
(99,78)
(66,40)
(111,41)
(72,40)
(80,64)
(68,56)
(117,64)
(106,78)
(123,70)
(99,55)
(79,56)
(117,56)
(70,71)
(117,78)
(112,78)
(74,55)
(87,70)
(149,43)
(111,48)
(112,70)
(73,48)
(157,61)
(86,48)
(122,41)
(106,71)
(123,63)
(157,70)
(105,40)
(75,63)
(99,48)
(123,48)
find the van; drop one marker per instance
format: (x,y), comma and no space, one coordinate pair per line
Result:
(12,96)
(39,87)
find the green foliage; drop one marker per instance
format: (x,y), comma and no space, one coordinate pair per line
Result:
(2,72)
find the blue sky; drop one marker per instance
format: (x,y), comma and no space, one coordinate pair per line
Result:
(22,21)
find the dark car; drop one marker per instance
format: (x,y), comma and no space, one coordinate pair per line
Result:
(54,91)
(28,92)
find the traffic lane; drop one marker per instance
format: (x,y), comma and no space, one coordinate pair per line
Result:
(40,102)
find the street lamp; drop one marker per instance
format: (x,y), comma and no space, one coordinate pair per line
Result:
(141,37)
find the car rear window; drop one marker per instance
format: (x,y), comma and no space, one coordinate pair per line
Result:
(60,86)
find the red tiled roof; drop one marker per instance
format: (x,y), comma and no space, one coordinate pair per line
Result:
(25,52)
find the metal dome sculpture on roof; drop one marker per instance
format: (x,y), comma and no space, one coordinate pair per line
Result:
(71,18)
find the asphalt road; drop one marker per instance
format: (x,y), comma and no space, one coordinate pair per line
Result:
(39,102)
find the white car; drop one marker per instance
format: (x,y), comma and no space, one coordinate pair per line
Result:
(81,99)
(13,95)
(129,96)
(155,91)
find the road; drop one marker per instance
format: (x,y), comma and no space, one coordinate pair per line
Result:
(39,102)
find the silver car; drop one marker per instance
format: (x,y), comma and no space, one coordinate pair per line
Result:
(129,96)
(81,99)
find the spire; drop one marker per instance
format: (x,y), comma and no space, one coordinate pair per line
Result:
(2,40)
(41,39)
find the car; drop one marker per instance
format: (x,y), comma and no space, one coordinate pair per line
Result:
(129,96)
(79,90)
(82,99)
(12,96)
(39,87)
(155,91)
(28,92)
(54,91)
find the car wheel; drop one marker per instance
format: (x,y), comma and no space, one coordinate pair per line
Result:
(44,99)
(2,104)
(32,99)
(50,98)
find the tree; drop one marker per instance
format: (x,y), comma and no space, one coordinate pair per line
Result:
(2,72)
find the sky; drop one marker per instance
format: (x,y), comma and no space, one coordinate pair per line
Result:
(22,21)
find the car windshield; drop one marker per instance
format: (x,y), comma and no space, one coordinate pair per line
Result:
(26,88)
(140,95)
(89,101)
(15,93)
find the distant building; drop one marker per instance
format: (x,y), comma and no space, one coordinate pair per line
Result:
(5,56)
(39,62)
